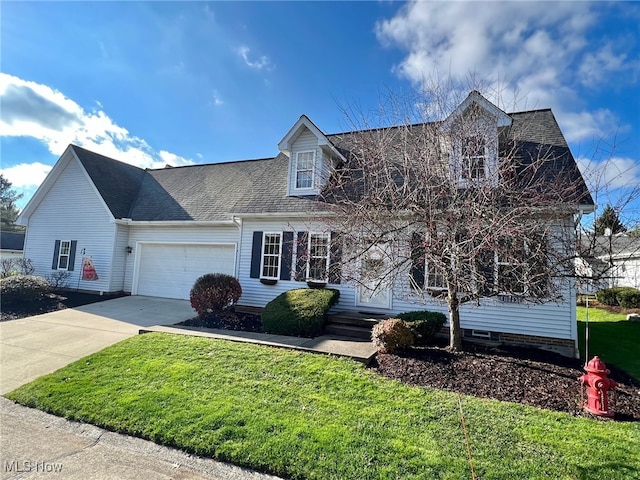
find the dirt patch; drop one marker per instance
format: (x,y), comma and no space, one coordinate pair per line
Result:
(55,301)
(227,320)
(528,376)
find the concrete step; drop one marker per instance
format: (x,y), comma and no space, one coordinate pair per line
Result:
(348,330)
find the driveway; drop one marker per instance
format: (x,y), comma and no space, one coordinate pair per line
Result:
(34,346)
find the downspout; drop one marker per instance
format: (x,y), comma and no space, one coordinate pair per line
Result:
(238,222)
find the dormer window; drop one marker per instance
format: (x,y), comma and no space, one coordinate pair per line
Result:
(305,170)
(474,155)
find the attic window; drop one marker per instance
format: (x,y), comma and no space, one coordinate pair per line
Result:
(473,158)
(305,163)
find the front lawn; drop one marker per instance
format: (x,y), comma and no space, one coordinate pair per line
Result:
(308,416)
(614,339)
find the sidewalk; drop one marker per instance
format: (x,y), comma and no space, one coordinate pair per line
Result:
(359,350)
(35,444)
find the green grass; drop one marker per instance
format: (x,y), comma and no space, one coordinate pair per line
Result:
(612,338)
(308,416)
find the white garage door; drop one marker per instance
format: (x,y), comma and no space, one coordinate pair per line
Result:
(169,270)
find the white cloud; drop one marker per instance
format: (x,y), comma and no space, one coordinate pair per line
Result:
(527,52)
(610,174)
(217,100)
(34,110)
(596,68)
(25,175)
(259,64)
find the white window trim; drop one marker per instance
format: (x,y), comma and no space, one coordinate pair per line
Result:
(60,254)
(328,237)
(426,278)
(313,172)
(466,162)
(262,255)
(525,280)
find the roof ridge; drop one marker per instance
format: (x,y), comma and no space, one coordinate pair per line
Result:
(211,164)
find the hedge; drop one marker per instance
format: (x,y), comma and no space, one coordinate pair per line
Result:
(299,312)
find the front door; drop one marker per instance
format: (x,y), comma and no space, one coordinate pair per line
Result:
(374,291)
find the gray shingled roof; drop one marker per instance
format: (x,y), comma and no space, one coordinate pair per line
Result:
(11,240)
(117,182)
(213,191)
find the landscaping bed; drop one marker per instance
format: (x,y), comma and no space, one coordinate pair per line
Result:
(58,300)
(528,376)
(227,320)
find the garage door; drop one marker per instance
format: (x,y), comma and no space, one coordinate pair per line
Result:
(169,270)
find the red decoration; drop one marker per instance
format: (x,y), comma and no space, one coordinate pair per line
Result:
(88,270)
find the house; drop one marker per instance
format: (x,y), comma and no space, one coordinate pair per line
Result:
(11,245)
(153,232)
(609,261)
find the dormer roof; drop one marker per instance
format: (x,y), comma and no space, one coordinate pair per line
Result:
(304,122)
(474,97)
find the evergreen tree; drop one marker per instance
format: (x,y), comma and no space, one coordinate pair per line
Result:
(8,210)
(609,219)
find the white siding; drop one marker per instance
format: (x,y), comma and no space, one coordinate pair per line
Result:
(305,142)
(550,319)
(120,257)
(72,210)
(175,234)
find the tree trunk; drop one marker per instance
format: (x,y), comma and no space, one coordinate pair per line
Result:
(455,332)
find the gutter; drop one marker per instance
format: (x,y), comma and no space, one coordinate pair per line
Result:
(174,223)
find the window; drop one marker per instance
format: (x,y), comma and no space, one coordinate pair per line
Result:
(433,278)
(318,265)
(305,162)
(511,267)
(64,255)
(473,158)
(271,246)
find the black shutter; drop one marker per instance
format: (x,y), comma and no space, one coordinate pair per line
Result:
(56,253)
(417,260)
(286,255)
(486,269)
(301,257)
(72,255)
(256,255)
(335,258)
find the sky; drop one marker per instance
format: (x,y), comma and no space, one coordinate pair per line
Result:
(156,83)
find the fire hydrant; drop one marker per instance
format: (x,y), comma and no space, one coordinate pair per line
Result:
(598,385)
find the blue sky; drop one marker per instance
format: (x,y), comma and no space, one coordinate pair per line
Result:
(152,83)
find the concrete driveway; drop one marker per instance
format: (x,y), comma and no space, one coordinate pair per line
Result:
(34,346)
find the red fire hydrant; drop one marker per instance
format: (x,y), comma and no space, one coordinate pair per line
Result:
(598,385)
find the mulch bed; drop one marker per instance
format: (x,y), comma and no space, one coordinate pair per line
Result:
(227,320)
(58,300)
(528,376)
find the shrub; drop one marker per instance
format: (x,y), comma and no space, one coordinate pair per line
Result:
(626,297)
(59,279)
(424,324)
(391,335)
(629,298)
(213,292)
(23,288)
(16,266)
(299,312)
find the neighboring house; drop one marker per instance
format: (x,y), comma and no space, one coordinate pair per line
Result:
(153,232)
(609,261)
(11,245)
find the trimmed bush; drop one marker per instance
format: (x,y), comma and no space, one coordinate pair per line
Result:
(629,298)
(424,324)
(213,292)
(23,288)
(299,312)
(626,297)
(391,335)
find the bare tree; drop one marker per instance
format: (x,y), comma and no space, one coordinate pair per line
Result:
(457,202)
